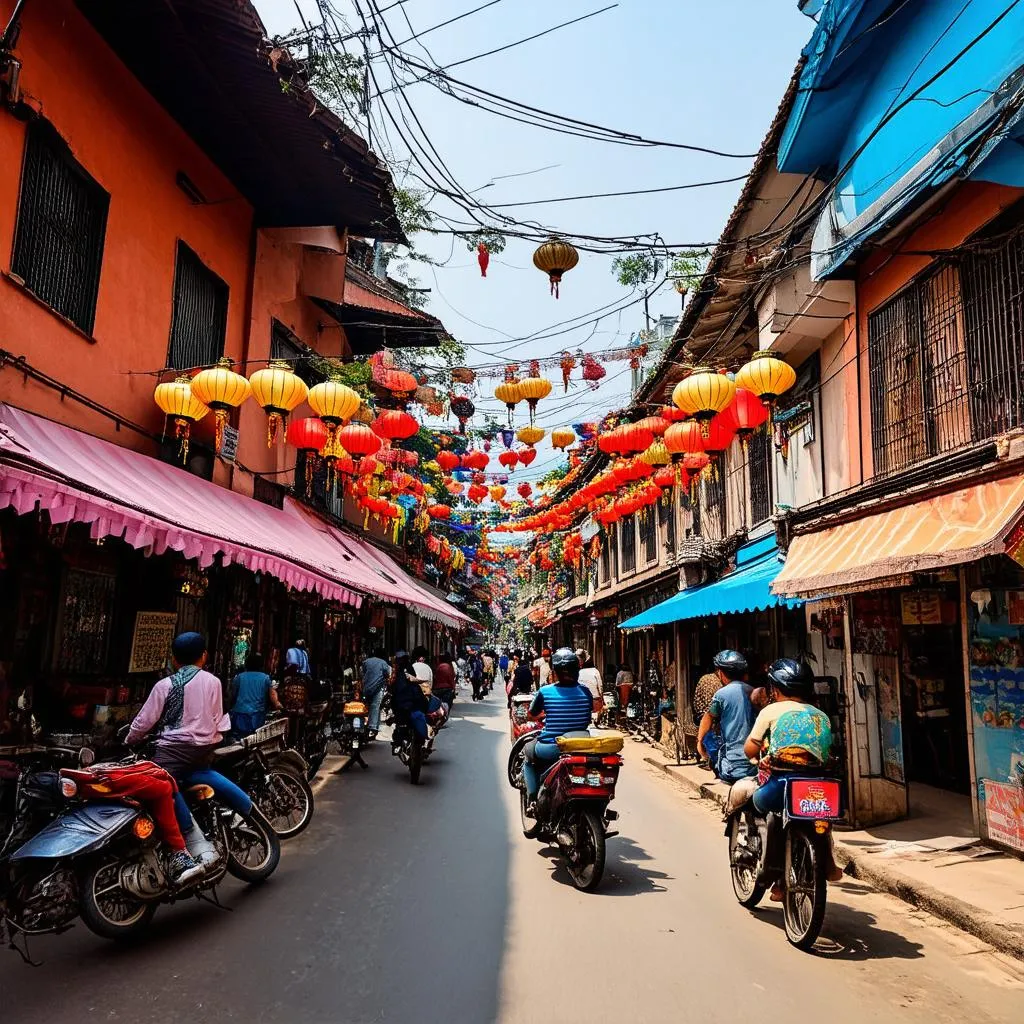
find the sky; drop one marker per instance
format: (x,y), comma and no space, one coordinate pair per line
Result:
(686,71)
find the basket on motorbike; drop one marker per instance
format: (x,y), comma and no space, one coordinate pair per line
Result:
(521,706)
(271,732)
(294,694)
(604,742)
(355,707)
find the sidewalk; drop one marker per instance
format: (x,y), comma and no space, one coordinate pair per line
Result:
(974,887)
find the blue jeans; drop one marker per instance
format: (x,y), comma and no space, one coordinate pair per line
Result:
(540,755)
(225,790)
(769,797)
(375,700)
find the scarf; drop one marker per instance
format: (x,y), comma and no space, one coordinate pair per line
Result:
(174,705)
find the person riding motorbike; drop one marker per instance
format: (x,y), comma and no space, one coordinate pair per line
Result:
(566,706)
(790,735)
(407,697)
(726,724)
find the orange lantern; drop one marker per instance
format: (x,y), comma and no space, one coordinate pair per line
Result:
(177,402)
(222,390)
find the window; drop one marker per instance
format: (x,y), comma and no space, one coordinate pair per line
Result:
(759,468)
(200,316)
(62,220)
(649,534)
(714,497)
(667,519)
(87,614)
(627,527)
(689,501)
(614,536)
(606,556)
(268,492)
(284,345)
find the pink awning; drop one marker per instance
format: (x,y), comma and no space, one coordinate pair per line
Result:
(150,504)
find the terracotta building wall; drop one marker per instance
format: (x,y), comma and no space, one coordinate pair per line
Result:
(134,150)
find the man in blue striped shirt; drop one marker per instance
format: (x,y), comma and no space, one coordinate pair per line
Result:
(567,707)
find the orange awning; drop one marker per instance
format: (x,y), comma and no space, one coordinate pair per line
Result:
(950,529)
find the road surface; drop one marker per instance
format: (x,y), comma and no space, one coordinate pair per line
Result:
(426,904)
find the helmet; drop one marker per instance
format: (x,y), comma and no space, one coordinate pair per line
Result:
(565,660)
(793,678)
(732,663)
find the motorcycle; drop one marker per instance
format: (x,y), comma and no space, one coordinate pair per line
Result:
(36,896)
(519,715)
(273,774)
(351,730)
(412,751)
(791,848)
(572,804)
(109,847)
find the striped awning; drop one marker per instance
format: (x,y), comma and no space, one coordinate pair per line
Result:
(949,529)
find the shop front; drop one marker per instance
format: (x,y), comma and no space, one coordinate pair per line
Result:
(927,601)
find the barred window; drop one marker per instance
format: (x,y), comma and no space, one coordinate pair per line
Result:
(199,319)
(62,221)
(714,497)
(285,345)
(667,519)
(759,467)
(606,556)
(627,528)
(649,534)
(87,615)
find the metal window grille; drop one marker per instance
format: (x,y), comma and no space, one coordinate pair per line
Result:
(689,501)
(613,536)
(667,520)
(606,557)
(284,345)
(87,615)
(714,496)
(649,534)
(268,492)
(200,317)
(759,466)
(627,528)
(62,220)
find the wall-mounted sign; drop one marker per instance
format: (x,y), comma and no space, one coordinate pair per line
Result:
(151,641)
(921,608)
(1004,815)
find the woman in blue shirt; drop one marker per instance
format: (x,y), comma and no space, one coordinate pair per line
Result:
(251,692)
(566,706)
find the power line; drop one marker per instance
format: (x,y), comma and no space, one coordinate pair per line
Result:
(434,28)
(612,195)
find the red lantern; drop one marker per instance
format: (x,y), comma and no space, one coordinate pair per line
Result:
(527,455)
(525,490)
(657,425)
(672,414)
(448,461)
(477,493)
(508,459)
(358,439)
(610,442)
(368,466)
(475,459)
(684,437)
(634,438)
(394,425)
(483,257)
(721,432)
(693,465)
(308,435)
(439,511)
(749,412)
(665,477)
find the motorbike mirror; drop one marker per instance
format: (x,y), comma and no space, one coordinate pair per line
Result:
(86,756)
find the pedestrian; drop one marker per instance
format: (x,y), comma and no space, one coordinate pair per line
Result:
(590,677)
(476,675)
(730,717)
(296,660)
(624,682)
(488,659)
(542,668)
(250,693)
(375,675)
(462,671)
(444,679)
(503,662)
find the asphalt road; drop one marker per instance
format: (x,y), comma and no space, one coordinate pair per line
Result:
(426,904)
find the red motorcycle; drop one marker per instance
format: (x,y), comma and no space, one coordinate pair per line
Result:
(572,805)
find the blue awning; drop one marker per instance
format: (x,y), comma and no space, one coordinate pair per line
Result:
(746,589)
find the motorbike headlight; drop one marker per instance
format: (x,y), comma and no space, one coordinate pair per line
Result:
(68,788)
(143,827)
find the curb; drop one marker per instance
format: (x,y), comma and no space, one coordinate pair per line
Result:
(957,912)
(333,764)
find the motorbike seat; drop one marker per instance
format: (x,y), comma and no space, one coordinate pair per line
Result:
(229,752)
(200,791)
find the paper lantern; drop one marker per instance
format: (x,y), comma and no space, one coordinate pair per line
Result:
(657,454)
(308,435)
(477,493)
(555,258)
(278,391)
(562,437)
(222,390)
(525,490)
(530,435)
(657,425)
(483,257)
(508,459)
(439,511)
(749,412)
(665,477)
(721,431)
(475,459)
(766,376)
(448,461)
(681,438)
(177,402)
(508,435)
(358,439)
(508,393)
(634,438)
(526,455)
(335,403)
(704,394)
(394,425)
(462,408)
(497,492)
(610,442)
(533,389)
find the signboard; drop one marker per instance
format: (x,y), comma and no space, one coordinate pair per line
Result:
(229,444)
(151,641)
(1004,814)
(921,608)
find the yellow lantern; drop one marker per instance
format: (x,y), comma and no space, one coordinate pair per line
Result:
(497,492)
(767,376)
(529,435)
(562,437)
(176,400)
(278,391)
(335,403)
(703,394)
(533,389)
(657,454)
(222,390)
(509,392)
(555,258)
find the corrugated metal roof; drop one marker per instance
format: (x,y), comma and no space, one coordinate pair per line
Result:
(210,65)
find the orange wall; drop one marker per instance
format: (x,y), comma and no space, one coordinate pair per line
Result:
(955,218)
(132,147)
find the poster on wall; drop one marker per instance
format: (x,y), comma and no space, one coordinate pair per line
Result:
(151,641)
(876,627)
(1004,815)
(890,725)
(921,608)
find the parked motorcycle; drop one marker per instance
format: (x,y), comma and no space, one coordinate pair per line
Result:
(351,730)
(791,848)
(572,804)
(273,774)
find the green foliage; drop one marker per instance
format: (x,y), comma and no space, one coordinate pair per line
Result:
(637,269)
(556,474)
(356,375)
(491,237)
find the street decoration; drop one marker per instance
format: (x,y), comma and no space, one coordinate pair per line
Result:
(767,376)
(508,459)
(181,407)
(394,425)
(530,435)
(222,390)
(703,394)
(567,364)
(562,437)
(749,413)
(277,390)
(510,394)
(308,435)
(462,409)
(358,440)
(683,438)
(483,257)
(335,403)
(593,371)
(447,461)
(533,389)
(555,258)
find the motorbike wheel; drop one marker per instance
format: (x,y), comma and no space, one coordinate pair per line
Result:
(415,760)
(516,759)
(803,902)
(107,909)
(586,858)
(749,892)
(286,801)
(531,826)
(315,755)
(254,850)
